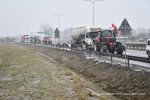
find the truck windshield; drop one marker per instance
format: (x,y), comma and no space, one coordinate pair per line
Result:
(108,33)
(93,34)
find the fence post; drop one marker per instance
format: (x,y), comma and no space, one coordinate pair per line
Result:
(111,57)
(99,50)
(128,61)
(90,50)
(90,53)
(99,54)
(66,47)
(82,48)
(71,45)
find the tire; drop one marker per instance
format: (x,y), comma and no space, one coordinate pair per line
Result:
(148,53)
(119,50)
(111,50)
(104,49)
(96,49)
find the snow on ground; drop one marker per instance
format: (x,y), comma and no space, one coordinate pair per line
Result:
(140,66)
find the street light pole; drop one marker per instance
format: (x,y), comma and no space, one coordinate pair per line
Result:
(125,44)
(93,2)
(59,16)
(93,11)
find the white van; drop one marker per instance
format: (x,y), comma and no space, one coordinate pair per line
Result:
(148,48)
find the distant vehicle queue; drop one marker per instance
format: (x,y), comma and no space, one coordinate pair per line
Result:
(94,38)
(103,40)
(36,40)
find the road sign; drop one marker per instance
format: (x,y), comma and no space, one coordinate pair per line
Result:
(57,33)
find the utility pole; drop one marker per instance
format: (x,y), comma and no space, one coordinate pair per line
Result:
(125,44)
(59,17)
(93,3)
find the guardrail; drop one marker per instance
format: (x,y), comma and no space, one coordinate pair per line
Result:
(136,46)
(111,55)
(128,57)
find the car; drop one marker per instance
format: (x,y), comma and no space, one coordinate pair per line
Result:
(63,44)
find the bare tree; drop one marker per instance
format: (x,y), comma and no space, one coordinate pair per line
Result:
(148,32)
(47,30)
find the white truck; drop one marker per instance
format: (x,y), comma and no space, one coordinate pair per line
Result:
(25,39)
(84,37)
(148,48)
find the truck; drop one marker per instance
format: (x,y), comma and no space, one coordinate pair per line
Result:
(25,39)
(47,40)
(148,48)
(97,39)
(35,40)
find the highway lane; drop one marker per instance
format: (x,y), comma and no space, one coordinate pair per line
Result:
(136,53)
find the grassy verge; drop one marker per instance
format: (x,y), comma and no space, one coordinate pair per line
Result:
(27,74)
(24,74)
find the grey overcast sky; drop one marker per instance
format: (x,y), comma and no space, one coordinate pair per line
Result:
(22,16)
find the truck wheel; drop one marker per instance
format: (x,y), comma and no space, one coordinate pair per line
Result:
(104,49)
(111,50)
(148,53)
(119,50)
(96,48)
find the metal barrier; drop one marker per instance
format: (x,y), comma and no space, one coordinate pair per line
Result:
(136,46)
(111,55)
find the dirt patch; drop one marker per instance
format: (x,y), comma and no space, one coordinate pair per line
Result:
(121,82)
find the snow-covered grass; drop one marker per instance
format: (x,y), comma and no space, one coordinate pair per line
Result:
(25,74)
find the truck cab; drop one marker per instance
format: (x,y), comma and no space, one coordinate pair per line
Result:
(105,41)
(90,38)
(148,48)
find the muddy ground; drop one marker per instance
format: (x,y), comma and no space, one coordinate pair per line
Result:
(119,81)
